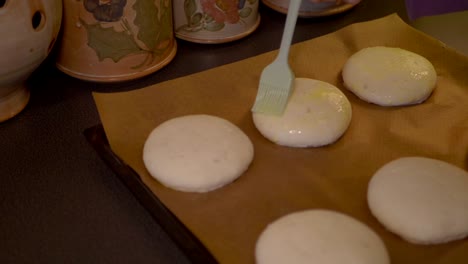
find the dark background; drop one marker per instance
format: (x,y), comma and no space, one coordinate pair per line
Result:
(60,203)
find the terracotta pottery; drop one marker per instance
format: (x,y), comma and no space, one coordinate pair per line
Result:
(215,21)
(310,9)
(115,40)
(29,30)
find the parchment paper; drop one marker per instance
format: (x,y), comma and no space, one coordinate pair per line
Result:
(283,180)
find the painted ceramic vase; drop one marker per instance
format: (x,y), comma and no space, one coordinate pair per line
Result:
(115,40)
(310,9)
(29,30)
(215,21)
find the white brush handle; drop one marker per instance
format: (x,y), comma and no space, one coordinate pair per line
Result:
(293,11)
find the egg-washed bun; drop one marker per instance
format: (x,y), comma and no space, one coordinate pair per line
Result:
(319,236)
(423,200)
(197,153)
(389,76)
(317,114)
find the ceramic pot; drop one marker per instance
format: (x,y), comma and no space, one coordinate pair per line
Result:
(310,9)
(29,30)
(215,21)
(115,40)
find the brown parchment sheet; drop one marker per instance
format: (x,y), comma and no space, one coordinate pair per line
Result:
(282,180)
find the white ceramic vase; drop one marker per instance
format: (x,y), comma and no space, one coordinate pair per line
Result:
(29,29)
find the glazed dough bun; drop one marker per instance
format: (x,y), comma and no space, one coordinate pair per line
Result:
(317,114)
(197,153)
(425,201)
(319,236)
(389,76)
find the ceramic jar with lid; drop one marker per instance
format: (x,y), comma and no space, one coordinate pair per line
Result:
(215,21)
(313,8)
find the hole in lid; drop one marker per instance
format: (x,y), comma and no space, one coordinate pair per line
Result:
(2,3)
(38,20)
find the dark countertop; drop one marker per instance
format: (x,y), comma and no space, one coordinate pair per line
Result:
(59,202)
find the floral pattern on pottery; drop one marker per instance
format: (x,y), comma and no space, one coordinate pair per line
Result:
(105,11)
(228,18)
(116,44)
(116,40)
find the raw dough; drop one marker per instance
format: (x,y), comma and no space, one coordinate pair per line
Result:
(389,76)
(319,236)
(423,200)
(317,114)
(197,153)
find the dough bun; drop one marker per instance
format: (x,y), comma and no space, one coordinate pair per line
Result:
(389,76)
(319,236)
(317,114)
(197,153)
(425,201)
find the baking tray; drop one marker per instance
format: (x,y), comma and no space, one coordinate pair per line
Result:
(184,239)
(333,177)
